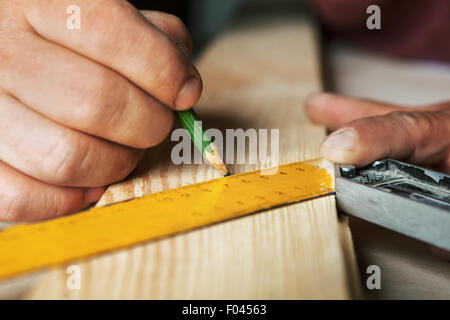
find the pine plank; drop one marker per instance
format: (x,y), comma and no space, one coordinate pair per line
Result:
(256,75)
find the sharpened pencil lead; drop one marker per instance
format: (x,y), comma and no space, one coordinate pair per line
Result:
(189,120)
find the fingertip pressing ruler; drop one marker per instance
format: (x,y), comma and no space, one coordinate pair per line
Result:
(30,247)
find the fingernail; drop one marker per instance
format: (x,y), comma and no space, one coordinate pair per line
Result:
(342,139)
(341,146)
(189,93)
(93,194)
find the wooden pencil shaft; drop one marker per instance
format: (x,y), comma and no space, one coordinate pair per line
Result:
(192,123)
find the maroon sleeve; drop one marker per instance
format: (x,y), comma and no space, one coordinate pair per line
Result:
(409,28)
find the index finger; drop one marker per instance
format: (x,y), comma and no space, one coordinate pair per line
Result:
(115,34)
(334,111)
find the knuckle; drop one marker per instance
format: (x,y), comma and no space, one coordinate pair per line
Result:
(170,71)
(175,21)
(172,26)
(417,123)
(12,206)
(433,124)
(163,133)
(358,125)
(103,101)
(411,118)
(420,128)
(73,161)
(98,19)
(150,130)
(120,7)
(123,164)
(105,11)
(66,158)
(179,25)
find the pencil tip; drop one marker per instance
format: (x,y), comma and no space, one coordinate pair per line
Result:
(222,168)
(216,160)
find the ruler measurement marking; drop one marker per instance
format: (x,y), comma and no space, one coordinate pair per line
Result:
(29,247)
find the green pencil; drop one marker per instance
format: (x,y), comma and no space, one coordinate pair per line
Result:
(191,122)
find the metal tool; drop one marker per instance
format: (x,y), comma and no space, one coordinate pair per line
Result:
(402,197)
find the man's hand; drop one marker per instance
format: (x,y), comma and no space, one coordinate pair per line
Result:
(78,106)
(369,131)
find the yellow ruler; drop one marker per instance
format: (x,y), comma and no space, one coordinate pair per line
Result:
(29,247)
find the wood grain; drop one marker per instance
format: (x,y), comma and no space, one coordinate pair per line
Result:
(256,75)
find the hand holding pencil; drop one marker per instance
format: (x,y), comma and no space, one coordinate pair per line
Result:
(79,106)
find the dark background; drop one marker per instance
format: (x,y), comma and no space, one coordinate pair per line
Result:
(204,19)
(179,8)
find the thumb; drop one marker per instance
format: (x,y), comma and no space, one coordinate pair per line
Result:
(418,137)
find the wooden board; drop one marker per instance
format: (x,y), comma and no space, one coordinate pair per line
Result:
(256,75)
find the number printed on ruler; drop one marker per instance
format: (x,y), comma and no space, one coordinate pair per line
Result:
(28,247)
